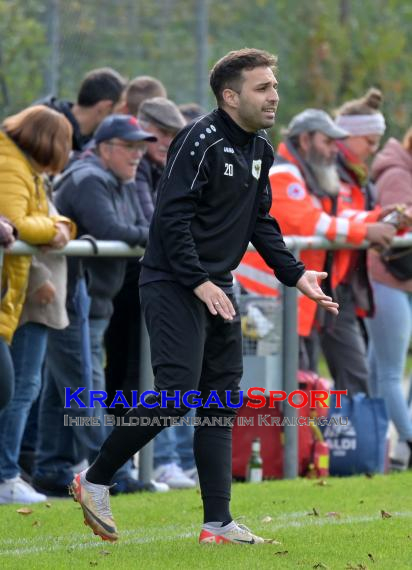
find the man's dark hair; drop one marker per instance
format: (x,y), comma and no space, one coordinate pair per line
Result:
(100,85)
(227,72)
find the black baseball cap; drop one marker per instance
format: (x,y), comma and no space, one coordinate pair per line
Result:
(124,127)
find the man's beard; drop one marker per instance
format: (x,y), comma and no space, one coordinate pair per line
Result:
(325,172)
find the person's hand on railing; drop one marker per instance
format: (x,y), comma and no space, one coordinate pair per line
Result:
(405,219)
(389,209)
(7,237)
(61,238)
(380,233)
(399,215)
(308,284)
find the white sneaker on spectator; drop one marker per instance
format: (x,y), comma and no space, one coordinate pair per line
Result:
(192,474)
(173,475)
(158,487)
(18,491)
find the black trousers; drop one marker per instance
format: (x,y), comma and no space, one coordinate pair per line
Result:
(190,350)
(344,346)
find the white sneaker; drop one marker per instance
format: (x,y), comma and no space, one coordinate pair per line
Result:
(173,475)
(192,474)
(233,533)
(94,499)
(18,491)
(158,487)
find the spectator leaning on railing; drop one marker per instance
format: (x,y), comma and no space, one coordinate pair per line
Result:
(390,329)
(308,200)
(33,143)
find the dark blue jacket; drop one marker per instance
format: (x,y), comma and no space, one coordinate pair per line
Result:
(102,206)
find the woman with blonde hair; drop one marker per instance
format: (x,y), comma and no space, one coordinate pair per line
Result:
(33,143)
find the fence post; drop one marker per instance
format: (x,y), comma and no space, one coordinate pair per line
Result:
(290,349)
(145,383)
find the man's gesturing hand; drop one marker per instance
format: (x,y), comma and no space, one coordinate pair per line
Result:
(308,284)
(217,302)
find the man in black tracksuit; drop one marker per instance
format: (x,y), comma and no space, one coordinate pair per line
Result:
(213,199)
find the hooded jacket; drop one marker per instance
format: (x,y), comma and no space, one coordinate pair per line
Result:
(392,172)
(79,141)
(102,206)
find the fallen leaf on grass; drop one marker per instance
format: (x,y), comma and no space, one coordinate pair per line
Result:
(271,541)
(282,553)
(321,483)
(385,515)
(267,519)
(333,514)
(370,556)
(321,565)
(48,505)
(313,513)
(36,523)
(24,511)
(104,552)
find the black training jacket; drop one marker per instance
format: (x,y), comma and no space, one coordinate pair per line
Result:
(214,197)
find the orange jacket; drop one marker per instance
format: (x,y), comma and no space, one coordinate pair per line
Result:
(299,212)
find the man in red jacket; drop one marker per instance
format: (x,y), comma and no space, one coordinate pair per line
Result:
(308,199)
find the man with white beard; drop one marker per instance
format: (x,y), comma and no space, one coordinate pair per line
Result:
(308,199)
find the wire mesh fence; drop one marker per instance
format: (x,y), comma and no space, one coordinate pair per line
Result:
(327,51)
(261,324)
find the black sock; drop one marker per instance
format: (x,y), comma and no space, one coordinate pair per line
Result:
(123,443)
(213,454)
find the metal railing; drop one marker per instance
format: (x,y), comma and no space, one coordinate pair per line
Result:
(290,336)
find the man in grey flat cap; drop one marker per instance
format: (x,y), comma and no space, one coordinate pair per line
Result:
(162,118)
(309,199)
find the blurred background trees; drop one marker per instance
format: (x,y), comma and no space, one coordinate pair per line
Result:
(329,50)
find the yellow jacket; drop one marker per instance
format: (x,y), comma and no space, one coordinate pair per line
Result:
(22,200)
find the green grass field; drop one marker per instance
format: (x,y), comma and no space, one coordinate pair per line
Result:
(336,525)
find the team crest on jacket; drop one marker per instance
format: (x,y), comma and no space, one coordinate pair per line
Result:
(256,168)
(296,191)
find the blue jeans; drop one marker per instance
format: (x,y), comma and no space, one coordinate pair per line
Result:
(61,447)
(6,374)
(390,333)
(27,351)
(175,445)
